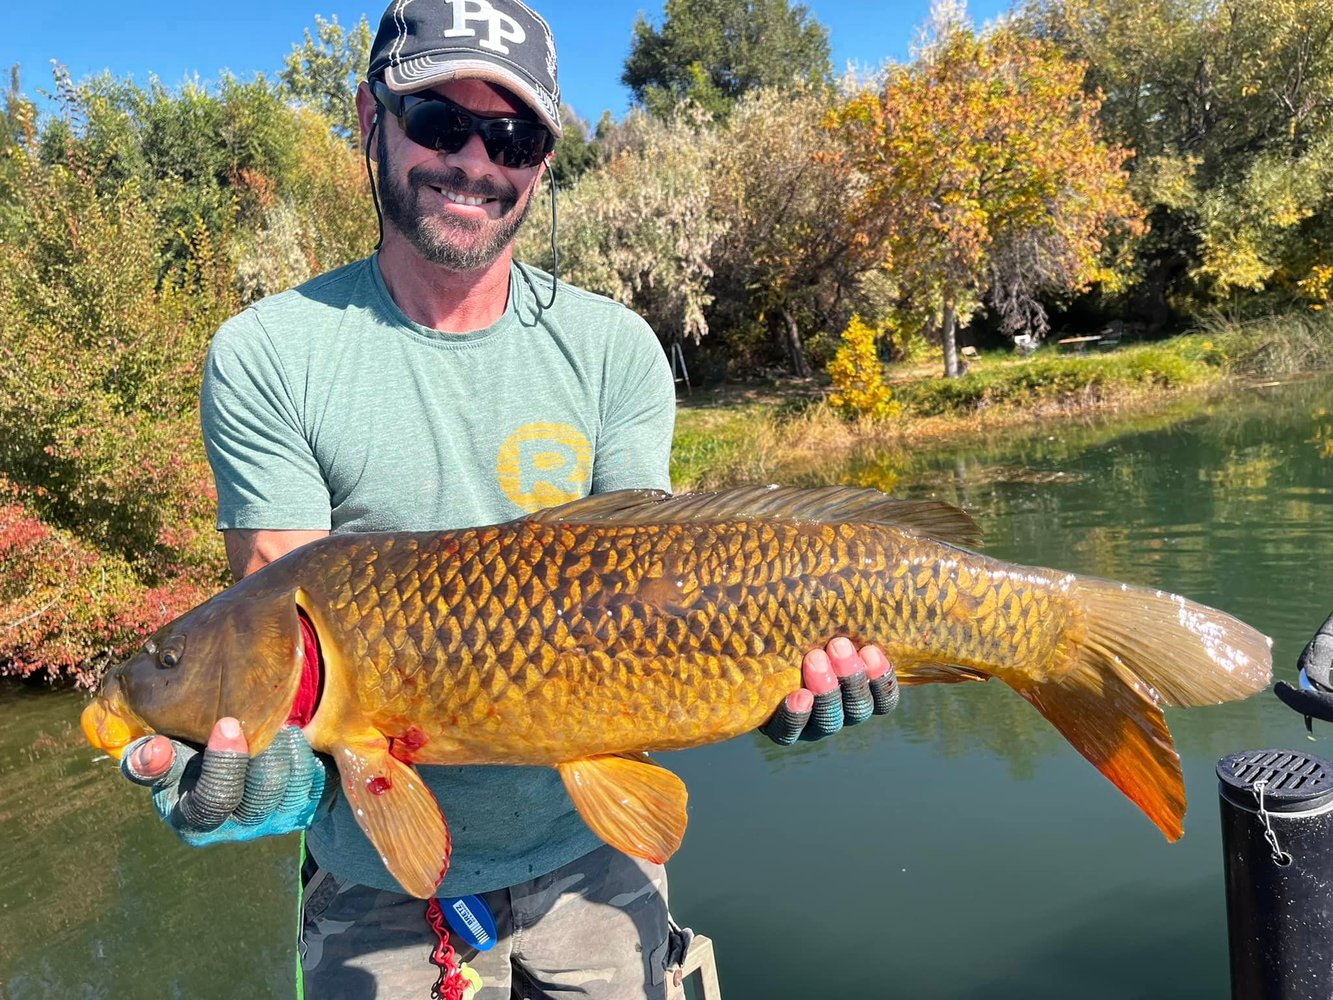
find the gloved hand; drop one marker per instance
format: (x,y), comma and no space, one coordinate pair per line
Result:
(843,686)
(225,795)
(1314,697)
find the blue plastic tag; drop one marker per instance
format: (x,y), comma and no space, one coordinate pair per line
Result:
(470,918)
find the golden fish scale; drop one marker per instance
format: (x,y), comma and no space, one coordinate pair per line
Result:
(537,643)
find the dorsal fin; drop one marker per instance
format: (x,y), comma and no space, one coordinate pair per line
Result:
(823,504)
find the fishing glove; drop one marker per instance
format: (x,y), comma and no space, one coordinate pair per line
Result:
(1314,697)
(856,697)
(222,796)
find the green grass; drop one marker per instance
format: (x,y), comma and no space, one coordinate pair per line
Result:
(1275,345)
(713,440)
(999,380)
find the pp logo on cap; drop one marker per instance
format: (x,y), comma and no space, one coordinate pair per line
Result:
(500,28)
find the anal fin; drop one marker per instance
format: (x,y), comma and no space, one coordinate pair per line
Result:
(397,812)
(634,805)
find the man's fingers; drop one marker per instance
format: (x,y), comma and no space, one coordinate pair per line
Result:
(843,686)
(789,720)
(850,669)
(227,735)
(877,664)
(817,673)
(212,790)
(151,759)
(268,778)
(883,680)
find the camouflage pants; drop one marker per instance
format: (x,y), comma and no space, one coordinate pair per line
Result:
(596,928)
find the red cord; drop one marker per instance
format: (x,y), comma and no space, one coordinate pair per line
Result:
(451,984)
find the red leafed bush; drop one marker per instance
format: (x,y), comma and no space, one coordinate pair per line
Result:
(66,609)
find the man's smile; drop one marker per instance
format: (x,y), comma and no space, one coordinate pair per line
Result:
(462,199)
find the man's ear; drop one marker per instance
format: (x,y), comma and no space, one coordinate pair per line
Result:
(369,113)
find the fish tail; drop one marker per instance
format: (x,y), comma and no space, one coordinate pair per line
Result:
(1132,651)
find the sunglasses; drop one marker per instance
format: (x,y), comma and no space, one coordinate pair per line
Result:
(440,124)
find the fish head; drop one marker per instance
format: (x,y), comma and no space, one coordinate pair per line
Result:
(238,654)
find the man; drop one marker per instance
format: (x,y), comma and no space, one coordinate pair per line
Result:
(1313,698)
(436,385)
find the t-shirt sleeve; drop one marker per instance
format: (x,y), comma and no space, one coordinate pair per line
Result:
(638,414)
(265,469)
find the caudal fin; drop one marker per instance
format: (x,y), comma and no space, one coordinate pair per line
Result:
(1141,649)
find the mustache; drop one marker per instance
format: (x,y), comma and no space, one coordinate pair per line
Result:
(457,180)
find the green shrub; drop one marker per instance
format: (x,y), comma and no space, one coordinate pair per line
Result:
(127,223)
(1274,345)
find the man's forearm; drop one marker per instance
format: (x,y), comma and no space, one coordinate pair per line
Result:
(250,549)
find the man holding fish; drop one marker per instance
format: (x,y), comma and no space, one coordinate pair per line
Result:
(438,385)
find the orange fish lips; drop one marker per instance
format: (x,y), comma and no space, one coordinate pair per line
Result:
(111,727)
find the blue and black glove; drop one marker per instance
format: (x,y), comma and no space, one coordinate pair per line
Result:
(843,687)
(218,796)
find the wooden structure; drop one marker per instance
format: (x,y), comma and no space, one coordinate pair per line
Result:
(1077,343)
(700,970)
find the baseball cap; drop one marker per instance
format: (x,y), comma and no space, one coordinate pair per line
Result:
(422,43)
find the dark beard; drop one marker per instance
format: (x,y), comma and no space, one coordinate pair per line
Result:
(430,234)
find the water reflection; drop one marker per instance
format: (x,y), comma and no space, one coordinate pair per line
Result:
(98,900)
(960,849)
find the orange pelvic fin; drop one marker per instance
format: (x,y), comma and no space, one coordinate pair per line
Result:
(396,811)
(636,806)
(1141,649)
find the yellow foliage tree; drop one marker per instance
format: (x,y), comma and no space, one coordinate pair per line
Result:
(858,377)
(986,156)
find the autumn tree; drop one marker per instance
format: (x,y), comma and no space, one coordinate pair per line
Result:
(1229,107)
(133,222)
(985,158)
(638,228)
(791,254)
(710,52)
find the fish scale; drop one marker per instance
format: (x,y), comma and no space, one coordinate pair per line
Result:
(667,614)
(637,621)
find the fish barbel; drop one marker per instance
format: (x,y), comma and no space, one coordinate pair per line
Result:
(583,636)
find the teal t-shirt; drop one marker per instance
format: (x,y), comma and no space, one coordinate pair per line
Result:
(326,407)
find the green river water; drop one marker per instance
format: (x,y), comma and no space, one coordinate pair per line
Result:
(960,849)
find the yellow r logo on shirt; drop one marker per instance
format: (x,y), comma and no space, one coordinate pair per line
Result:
(542,465)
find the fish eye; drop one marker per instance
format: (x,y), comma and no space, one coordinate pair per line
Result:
(171,652)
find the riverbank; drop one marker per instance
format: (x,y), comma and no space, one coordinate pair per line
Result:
(786,431)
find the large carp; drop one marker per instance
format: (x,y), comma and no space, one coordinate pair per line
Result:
(581,636)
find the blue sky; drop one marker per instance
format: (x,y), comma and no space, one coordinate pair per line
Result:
(176,41)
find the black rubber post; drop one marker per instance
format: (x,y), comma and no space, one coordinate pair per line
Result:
(1277,846)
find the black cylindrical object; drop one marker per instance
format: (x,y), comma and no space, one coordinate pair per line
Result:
(1277,845)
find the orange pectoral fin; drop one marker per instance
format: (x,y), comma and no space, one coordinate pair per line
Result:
(636,806)
(397,812)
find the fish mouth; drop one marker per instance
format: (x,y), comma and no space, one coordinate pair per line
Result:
(111,727)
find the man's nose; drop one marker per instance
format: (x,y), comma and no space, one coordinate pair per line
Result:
(473,157)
